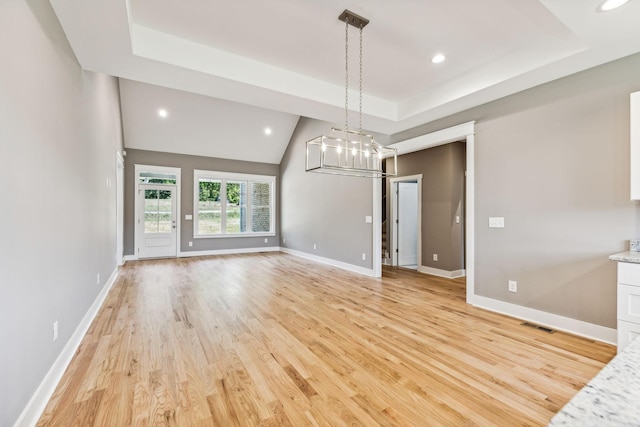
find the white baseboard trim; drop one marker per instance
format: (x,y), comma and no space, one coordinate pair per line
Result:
(229,251)
(188,254)
(34,409)
(343,265)
(442,273)
(554,321)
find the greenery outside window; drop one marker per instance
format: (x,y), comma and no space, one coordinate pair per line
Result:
(233,205)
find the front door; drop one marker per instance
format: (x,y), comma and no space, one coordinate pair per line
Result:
(156,226)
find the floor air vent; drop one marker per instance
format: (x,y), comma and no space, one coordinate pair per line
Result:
(542,328)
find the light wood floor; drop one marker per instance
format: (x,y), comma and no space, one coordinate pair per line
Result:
(274,340)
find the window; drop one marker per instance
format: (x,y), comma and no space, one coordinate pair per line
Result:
(157,178)
(229,204)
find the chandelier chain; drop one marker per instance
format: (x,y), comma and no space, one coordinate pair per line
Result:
(360,115)
(346,74)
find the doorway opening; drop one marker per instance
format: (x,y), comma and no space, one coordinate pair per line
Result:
(464,133)
(406,221)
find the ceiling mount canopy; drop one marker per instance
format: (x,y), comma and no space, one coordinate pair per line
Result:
(345,151)
(352,19)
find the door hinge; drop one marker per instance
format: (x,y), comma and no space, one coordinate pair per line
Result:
(397,221)
(396,250)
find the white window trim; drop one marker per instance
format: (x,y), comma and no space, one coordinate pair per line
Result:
(230,176)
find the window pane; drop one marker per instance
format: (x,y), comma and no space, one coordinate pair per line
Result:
(209,207)
(261,195)
(261,207)
(236,209)
(261,220)
(157,178)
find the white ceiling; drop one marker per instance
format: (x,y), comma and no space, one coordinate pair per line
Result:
(288,55)
(201,125)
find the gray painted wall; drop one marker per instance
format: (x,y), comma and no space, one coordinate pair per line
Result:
(59,132)
(188,163)
(554,161)
(442,170)
(323,209)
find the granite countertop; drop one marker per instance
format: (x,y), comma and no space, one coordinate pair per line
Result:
(629,256)
(611,398)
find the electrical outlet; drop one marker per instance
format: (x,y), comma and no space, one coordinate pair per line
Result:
(98,279)
(55,330)
(513,286)
(435,257)
(266,240)
(314,246)
(190,244)
(496,222)
(364,256)
(284,241)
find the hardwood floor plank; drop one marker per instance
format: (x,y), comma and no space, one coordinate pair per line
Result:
(274,340)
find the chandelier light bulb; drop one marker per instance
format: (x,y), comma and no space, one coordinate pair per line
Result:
(339,149)
(324,147)
(354,151)
(380,155)
(366,153)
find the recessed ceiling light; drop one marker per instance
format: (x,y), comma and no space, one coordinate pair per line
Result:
(608,5)
(163,113)
(267,131)
(438,58)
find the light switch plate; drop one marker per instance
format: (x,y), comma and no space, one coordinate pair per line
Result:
(368,219)
(188,217)
(496,222)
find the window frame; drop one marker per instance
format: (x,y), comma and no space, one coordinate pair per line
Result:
(225,177)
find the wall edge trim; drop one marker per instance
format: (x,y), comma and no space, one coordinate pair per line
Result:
(38,402)
(442,273)
(228,251)
(332,262)
(555,321)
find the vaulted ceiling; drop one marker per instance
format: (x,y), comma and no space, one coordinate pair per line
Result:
(281,59)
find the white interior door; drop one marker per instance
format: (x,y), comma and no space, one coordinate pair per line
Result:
(407,223)
(156,224)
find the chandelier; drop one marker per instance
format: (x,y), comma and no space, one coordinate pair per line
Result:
(346,151)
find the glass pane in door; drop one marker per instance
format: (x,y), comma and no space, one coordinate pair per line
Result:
(157,211)
(164,211)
